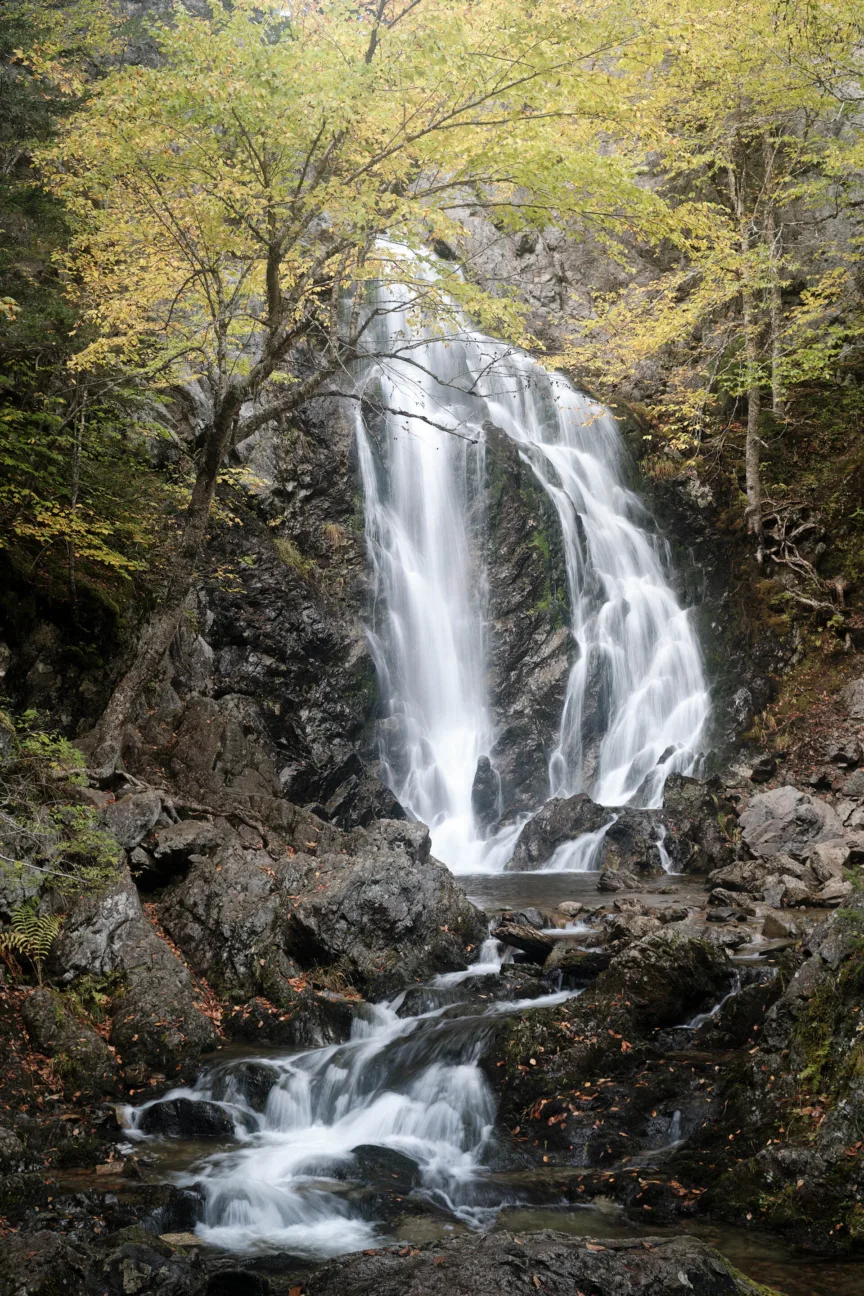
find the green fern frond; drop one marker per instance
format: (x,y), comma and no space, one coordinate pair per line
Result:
(31,934)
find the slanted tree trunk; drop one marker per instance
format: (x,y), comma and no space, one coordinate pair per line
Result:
(160,630)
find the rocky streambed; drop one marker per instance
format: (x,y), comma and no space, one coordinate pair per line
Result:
(311,1044)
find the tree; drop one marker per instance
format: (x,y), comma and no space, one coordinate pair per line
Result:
(231,201)
(737,108)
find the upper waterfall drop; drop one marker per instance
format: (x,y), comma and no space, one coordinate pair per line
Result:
(422,459)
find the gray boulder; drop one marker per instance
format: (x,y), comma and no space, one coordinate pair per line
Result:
(501,1264)
(40,1264)
(131,819)
(853,699)
(157,1026)
(788,821)
(371,906)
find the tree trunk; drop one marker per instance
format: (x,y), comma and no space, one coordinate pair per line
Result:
(749,319)
(753,443)
(773,241)
(163,624)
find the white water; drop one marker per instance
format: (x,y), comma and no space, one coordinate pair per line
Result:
(637,683)
(411,1085)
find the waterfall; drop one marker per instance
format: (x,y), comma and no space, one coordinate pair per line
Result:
(637,661)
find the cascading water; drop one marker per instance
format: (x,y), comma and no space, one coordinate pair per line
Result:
(409,1085)
(638,666)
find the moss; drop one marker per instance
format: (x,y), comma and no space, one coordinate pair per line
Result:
(292,557)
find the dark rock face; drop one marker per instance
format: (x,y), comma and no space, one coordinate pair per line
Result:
(557,822)
(798,1167)
(486,793)
(699,824)
(80,1056)
(696,819)
(655,982)
(157,1026)
(185,1118)
(370,905)
(40,1264)
(500,1264)
(530,645)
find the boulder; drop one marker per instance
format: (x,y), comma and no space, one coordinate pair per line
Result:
(558,821)
(131,819)
(778,926)
(786,820)
(853,786)
(157,1025)
(385,914)
(11,1148)
(186,1118)
(615,880)
(371,906)
(843,751)
(80,1056)
(502,1264)
(578,965)
(853,699)
(189,837)
(833,893)
(829,859)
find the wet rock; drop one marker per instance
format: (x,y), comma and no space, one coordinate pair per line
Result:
(254,1080)
(146,1266)
(157,1025)
(530,646)
(486,793)
(386,915)
(305,1018)
(700,824)
(578,965)
(501,1264)
(630,844)
(377,1165)
(131,819)
(763,768)
(361,799)
(786,820)
(630,927)
(559,821)
(187,1118)
(40,1264)
(611,880)
(80,1056)
(219,748)
(778,926)
(536,944)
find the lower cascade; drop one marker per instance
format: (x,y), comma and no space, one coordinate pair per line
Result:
(421,430)
(404,1099)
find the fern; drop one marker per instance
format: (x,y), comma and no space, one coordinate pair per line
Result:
(31,934)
